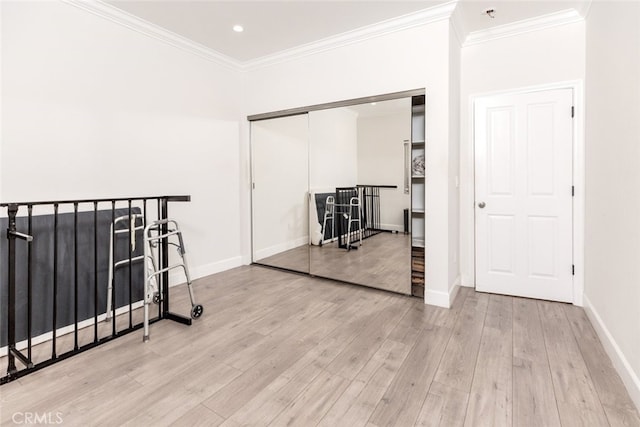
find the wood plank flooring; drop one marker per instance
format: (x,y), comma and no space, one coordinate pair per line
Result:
(382,262)
(275,348)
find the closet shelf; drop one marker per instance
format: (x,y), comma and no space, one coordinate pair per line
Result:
(418,219)
(417,243)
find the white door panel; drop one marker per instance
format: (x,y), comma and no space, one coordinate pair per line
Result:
(542,231)
(523,155)
(500,158)
(501,229)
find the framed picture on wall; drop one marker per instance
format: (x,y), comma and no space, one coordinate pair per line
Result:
(417,163)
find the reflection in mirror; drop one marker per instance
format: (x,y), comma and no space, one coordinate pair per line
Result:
(280,163)
(358,215)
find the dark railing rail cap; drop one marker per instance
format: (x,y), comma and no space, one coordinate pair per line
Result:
(182,198)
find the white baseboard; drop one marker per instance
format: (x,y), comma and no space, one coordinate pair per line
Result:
(281,247)
(442,299)
(216,267)
(437,298)
(22,345)
(392,227)
(178,278)
(620,362)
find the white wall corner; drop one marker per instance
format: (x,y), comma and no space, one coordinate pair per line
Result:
(453,290)
(555,19)
(457,25)
(620,362)
(579,199)
(467,280)
(584,8)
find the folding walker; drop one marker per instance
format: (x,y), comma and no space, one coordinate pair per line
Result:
(154,234)
(131,229)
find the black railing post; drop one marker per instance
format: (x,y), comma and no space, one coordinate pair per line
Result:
(11,321)
(132,229)
(54,320)
(75,276)
(29,282)
(95,272)
(113,278)
(164,263)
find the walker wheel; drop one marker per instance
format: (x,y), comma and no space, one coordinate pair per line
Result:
(156,298)
(196,311)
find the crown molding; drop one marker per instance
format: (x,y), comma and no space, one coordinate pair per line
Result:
(433,14)
(141,26)
(422,17)
(118,16)
(527,25)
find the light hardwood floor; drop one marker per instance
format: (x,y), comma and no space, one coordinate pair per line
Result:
(382,262)
(275,348)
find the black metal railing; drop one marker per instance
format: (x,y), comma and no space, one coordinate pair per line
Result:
(60,269)
(369,200)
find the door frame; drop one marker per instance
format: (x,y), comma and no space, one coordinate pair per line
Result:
(578,155)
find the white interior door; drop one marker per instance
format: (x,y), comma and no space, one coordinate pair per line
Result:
(523,194)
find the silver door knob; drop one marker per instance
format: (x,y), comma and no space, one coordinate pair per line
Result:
(481,205)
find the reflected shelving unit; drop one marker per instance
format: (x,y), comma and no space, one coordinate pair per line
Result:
(417,194)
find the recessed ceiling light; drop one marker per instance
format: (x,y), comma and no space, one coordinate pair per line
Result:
(238,28)
(373,103)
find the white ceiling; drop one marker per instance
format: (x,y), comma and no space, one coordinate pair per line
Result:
(275,26)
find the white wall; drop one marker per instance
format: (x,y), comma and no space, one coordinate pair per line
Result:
(1,98)
(542,57)
(333,139)
(92,109)
(381,162)
(612,217)
(402,60)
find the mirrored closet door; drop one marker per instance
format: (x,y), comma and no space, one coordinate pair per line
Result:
(332,191)
(280,181)
(357,170)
